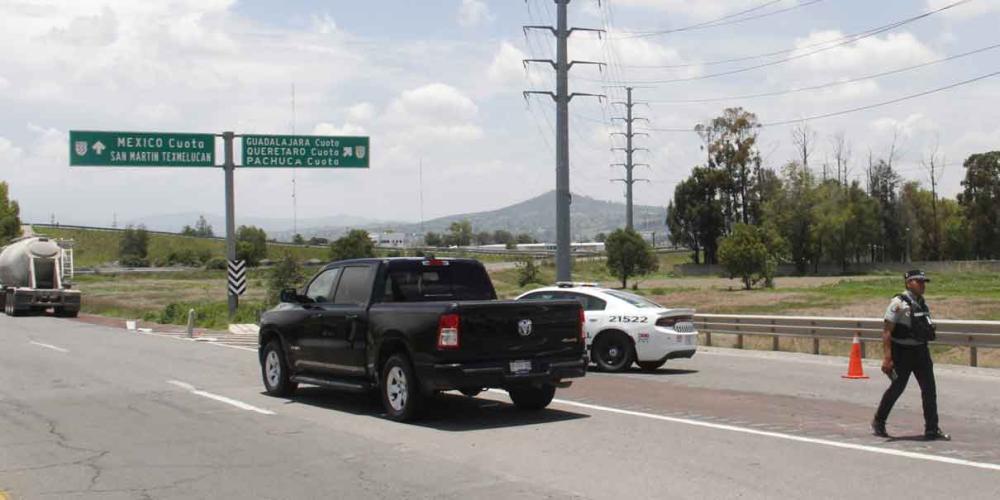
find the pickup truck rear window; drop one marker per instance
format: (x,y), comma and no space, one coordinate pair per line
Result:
(416,282)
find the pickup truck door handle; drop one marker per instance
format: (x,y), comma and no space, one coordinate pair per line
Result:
(351,317)
(316,315)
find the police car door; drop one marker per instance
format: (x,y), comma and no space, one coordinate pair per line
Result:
(593,311)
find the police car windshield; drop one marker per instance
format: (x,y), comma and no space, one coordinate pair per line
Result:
(633,299)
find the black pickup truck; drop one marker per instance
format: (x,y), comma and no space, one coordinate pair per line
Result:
(410,327)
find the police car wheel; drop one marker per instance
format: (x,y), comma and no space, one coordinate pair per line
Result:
(613,352)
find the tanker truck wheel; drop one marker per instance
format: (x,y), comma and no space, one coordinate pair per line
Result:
(67,313)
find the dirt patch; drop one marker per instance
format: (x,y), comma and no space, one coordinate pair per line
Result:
(720,301)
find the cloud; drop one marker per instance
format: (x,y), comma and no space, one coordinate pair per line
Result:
(508,63)
(873,53)
(691,10)
(362,112)
(331,129)
(913,124)
(101,29)
(324,24)
(472,13)
(967,10)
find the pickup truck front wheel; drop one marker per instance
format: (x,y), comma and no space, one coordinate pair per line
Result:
(274,368)
(532,397)
(401,395)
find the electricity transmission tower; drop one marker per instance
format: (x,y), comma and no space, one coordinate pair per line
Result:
(629,149)
(561,97)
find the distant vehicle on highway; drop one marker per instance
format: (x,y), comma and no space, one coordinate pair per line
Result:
(410,327)
(35,274)
(623,327)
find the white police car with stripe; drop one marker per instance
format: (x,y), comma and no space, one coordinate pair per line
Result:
(623,327)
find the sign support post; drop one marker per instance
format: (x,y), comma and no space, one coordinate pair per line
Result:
(229,166)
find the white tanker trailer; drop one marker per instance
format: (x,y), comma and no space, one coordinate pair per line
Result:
(35,274)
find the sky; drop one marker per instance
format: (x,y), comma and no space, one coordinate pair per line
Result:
(439,83)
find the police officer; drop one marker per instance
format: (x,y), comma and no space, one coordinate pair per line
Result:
(906,331)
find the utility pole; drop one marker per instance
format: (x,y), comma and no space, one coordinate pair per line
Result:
(561,98)
(229,166)
(629,149)
(295,201)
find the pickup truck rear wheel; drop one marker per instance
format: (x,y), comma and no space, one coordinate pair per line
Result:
(401,394)
(531,397)
(274,368)
(613,351)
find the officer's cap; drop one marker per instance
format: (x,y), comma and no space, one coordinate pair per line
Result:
(916,274)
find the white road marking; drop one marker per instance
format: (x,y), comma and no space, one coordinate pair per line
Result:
(229,401)
(242,348)
(48,346)
(779,435)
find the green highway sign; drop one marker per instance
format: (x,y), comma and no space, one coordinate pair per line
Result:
(140,149)
(307,151)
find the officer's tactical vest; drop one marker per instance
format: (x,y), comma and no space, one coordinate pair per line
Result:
(921,327)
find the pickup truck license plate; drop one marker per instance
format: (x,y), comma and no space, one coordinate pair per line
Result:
(520,366)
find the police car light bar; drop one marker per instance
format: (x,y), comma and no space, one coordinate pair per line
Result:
(571,284)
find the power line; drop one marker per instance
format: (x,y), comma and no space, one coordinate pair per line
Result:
(830,84)
(860,108)
(800,55)
(722,21)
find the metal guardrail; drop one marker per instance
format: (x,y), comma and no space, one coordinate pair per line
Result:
(971,334)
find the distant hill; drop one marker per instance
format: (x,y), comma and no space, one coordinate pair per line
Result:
(535,216)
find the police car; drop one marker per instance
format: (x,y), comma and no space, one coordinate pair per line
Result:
(623,327)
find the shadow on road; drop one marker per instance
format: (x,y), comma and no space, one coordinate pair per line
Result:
(914,437)
(446,412)
(662,371)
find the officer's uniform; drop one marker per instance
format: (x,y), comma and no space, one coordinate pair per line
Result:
(912,329)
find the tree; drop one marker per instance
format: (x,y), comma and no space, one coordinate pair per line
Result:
(525,239)
(527,272)
(202,228)
(789,212)
(980,199)
(10,215)
(459,233)
(696,215)
(317,241)
(484,238)
(731,144)
(354,245)
(298,239)
(601,237)
(503,237)
(629,255)
(433,239)
(133,248)
(286,273)
(251,244)
(750,254)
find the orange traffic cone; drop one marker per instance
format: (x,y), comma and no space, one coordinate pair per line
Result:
(854,368)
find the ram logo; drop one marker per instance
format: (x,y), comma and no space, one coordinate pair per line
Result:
(524,327)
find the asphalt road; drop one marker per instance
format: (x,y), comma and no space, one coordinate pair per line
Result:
(89,411)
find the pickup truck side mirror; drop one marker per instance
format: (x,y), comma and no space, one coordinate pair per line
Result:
(289,295)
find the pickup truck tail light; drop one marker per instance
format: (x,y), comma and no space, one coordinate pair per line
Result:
(583,327)
(448,331)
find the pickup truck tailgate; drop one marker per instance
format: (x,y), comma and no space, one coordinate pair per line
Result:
(514,329)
